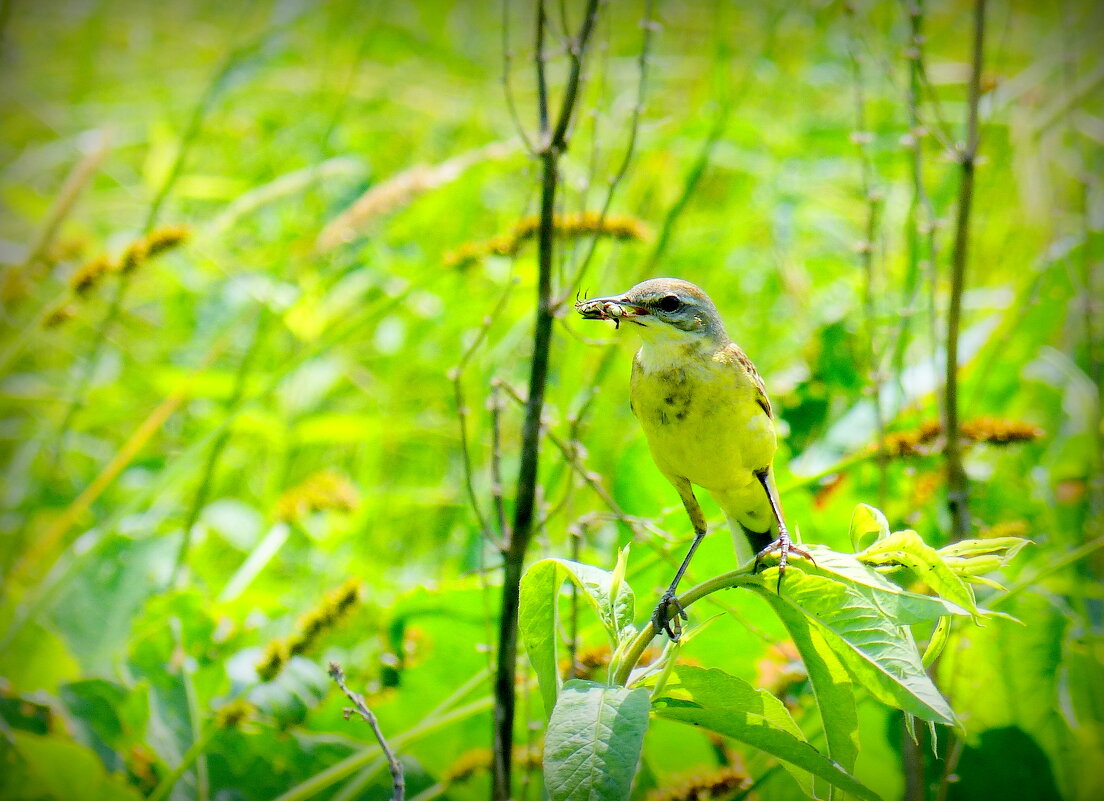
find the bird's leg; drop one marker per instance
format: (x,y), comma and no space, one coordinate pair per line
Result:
(784,545)
(669,610)
(666,616)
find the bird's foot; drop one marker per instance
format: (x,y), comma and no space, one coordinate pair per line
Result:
(784,546)
(666,616)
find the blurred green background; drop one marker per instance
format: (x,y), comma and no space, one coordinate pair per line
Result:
(283,384)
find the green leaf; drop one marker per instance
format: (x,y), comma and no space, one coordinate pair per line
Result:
(970,558)
(879,653)
(54,768)
(730,706)
(908,549)
(611,598)
(903,606)
(832,686)
(112,714)
(593,742)
(37,659)
(868,525)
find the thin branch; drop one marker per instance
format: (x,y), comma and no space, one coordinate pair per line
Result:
(957,485)
(542,81)
(575,49)
(398,782)
(649,25)
(456,375)
(866,249)
(497,500)
(921,222)
(507,87)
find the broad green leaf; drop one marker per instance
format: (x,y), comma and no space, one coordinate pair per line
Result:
(112,714)
(879,653)
(60,770)
(540,589)
(868,525)
(832,686)
(908,549)
(593,742)
(37,659)
(904,606)
(730,706)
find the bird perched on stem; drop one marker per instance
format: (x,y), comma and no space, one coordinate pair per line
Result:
(706,415)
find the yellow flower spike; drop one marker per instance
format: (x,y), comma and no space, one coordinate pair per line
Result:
(275,657)
(716,785)
(234,714)
(59,315)
(89,275)
(574,225)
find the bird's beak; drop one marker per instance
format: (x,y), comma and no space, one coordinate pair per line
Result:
(614,307)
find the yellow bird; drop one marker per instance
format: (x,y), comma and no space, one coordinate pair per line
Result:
(706,416)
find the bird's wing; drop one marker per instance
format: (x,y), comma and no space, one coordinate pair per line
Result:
(735,356)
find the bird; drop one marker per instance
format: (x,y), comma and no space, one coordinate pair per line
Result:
(707,419)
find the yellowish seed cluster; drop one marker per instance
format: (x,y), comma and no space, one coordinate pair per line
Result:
(310,628)
(997,431)
(90,274)
(478,760)
(925,439)
(714,786)
(94,271)
(568,226)
(234,714)
(326,489)
(59,315)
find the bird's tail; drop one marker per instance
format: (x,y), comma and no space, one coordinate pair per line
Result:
(747,542)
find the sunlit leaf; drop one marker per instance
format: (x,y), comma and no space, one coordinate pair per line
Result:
(593,741)
(727,705)
(877,650)
(540,587)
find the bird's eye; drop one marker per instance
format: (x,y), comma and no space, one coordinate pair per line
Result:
(669,303)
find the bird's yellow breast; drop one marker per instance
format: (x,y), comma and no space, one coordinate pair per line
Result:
(702,417)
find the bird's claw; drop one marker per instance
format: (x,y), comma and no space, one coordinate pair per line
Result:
(784,545)
(666,616)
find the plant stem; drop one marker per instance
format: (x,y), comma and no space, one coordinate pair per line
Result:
(957,485)
(551,144)
(734,578)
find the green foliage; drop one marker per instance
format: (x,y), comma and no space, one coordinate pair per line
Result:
(593,743)
(851,626)
(287,395)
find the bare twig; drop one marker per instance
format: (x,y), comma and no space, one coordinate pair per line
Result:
(398,782)
(649,25)
(456,375)
(507,86)
(866,249)
(922,245)
(957,485)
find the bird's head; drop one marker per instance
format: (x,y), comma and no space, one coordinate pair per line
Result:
(665,309)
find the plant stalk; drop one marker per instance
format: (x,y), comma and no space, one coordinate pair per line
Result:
(957,483)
